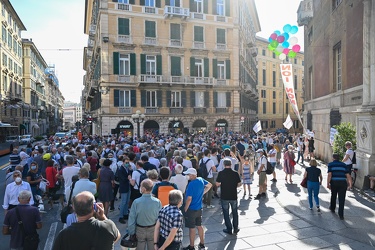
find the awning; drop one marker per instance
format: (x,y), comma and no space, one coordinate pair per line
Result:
(36,126)
(22,126)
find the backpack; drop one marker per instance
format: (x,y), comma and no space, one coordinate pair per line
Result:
(193,162)
(202,171)
(163,194)
(354,159)
(143,176)
(270,168)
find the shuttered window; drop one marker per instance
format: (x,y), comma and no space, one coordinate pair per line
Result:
(123,26)
(198,34)
(150,29)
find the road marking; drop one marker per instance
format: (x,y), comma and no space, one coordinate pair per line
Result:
(4,167)
(51,236)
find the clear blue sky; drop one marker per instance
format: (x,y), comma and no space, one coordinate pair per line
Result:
(56,25)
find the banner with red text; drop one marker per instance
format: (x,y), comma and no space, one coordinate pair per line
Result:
(287,75)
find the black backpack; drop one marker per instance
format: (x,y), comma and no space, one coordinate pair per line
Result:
(270,168)
(143,176)
(354,159)
(202,171)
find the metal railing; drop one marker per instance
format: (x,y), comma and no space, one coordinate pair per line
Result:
(176,110)
(124,6)
(175,42)
(125,110)
(150,78)
(221,110)
(150,41)
(221,46)
(198,45)
(150,10)
(151,110)
(124,39)
(178,11)
(200,110)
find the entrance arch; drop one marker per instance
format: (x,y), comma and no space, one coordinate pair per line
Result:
(199,125)
(151,127)
(175,126)
(125,127)
(221,125)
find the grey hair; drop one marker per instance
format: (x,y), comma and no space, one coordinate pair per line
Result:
(183,153)
(69,160)
(176,153)
(24,195)
(163,162)
(175,197)
(152,174)
(17,172)
(178,169)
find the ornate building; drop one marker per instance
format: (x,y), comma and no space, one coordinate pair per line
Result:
(184,65)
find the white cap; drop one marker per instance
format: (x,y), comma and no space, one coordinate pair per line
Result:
(191,171)
(260,151)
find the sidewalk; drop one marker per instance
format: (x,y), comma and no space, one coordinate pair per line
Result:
(283,220)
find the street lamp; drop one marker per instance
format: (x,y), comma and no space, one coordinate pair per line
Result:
(138,118)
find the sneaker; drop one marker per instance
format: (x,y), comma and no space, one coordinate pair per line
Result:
(216,195)
(310,208)
(188,248)
(210,206)
(235,231)
(227,231)
(257,197)
(264,194)
(122,220)
(201,246)
(341,217)
(318,209)
(274,180)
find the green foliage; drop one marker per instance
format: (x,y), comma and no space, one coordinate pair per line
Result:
(345,132)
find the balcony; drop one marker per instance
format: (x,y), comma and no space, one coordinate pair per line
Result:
(200,110)
(150,10)
(221,19)
(150,79)
(201,80)
(92,30)
(151,110)
(198,45)
(171,11)
(305,12)
(176,110)
(221,46)
(125,110)
(124,39)
(221,110)
(176,79)
(90,43)
(175,43)
(126,78)
(150,41)
(124,6)
(200,16)
(220,82)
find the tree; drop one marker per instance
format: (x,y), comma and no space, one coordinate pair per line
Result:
(345,132)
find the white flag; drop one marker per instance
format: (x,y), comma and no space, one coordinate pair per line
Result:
(288,123)
(257,127)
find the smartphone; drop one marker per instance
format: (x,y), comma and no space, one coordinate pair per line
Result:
(95,207)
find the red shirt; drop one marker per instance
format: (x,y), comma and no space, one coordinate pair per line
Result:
(51,173)
(93,163)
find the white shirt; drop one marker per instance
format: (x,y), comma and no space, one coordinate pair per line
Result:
(11,193)
(209,165)
(181,182)
(350,153)
(221,164)
(136,176)
(214,159)
(68,173)
(84,185)
(187,163)
(154,161)
(263,161)
(272,158)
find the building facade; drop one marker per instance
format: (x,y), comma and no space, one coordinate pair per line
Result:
(340,78)
(274,105)
(72,115)
(185,65)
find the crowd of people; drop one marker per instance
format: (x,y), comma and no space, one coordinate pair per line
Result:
(159,183)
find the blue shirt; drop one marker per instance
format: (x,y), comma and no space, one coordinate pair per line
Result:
(144,212)
(338,170)
(195,189)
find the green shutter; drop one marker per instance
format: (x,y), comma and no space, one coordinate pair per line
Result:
(131,1)
(177,3)
(133,64)
(133,98)
(159,97)
(116,98)
(214,68)
(192,99)
(157,3)
(228,99)
(123,26)
(227,69)
(192,66)
(207,99)
(143,98)
(220,36)
(143,64)
(115,1)
(175,66)
(214,7)
(159,63)
(175,31)
(205,6)
(215,99)
(198,34)
(150,29)
(116,62)
(193,6)
(142,2)
(227,7)
(183,99)
(206,67)
(169,103)
(168,2)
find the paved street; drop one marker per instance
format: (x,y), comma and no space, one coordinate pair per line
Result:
(281,221)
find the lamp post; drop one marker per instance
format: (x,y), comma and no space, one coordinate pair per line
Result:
(138,118)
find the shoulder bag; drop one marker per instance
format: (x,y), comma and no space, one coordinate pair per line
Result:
(31,241)
(68,209)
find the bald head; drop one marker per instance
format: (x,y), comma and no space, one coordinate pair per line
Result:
(147,184)
(83,203)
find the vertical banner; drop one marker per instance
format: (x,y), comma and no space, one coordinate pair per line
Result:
(287,75)
(332,134)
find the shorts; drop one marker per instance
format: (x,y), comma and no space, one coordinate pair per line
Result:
(193,218)
(262,178)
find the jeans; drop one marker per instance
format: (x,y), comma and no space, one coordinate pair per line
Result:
(124,206)
(300,154)
(208,195)
(225,206)
(313,187)
(338,188)
(173,246)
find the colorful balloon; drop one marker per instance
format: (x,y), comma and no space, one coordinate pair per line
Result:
(294,30)
(292,54)
(293,41)
(274,44)
(270,39)
(280,39)
(277,53)
(286,51)
(296,48)
(286,35)
(285,44)
(287,28)
(282,56)
(277,32)
(280,48)
(273,36)
(270,47)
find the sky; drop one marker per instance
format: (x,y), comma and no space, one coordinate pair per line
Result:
(56,28)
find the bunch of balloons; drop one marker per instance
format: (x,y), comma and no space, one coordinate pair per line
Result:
(283,44)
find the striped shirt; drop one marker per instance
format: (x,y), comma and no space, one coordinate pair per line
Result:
(171,217)
(338,170)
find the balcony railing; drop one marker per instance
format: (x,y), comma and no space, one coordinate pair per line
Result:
(221,82)
(221,46)
(126,78)
(125,110)
(175,42)
(221,19)
(124,6)
(150,78)
(152,110)
(170,11)
(176,110)
(196,15)
(198,45)
(150,10)
(221,110)
(176,79)
(150,41)
(200,110)
(92,30)
(124,39)
(201,80)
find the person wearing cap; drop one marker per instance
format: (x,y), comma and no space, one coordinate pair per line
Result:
(193,206)
(262,167)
